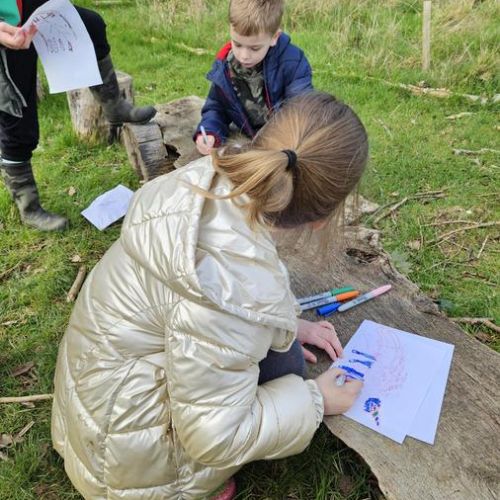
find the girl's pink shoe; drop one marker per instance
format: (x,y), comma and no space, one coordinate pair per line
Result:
(229,491)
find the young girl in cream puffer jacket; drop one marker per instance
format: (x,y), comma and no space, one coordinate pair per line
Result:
(182,360)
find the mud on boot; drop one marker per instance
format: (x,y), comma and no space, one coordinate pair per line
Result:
(21,185)
(116,109)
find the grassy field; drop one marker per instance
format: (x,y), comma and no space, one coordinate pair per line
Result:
(360,51)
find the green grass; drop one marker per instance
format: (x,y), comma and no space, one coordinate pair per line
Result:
(355,48)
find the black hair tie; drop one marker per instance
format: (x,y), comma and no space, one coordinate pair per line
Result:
(292,158)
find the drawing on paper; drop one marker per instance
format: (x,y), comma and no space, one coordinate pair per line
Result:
(385,360)
(56,31)
(398,397)
(364,362)
(372,406)
(352,372)
(369,356)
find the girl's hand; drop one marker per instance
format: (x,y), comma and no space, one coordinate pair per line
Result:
(203,148)
(321,334)
(337,399)
(16,38)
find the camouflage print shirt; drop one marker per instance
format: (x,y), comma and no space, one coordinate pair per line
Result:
(248,83)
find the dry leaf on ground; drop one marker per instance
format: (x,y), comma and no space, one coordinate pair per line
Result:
(21,369)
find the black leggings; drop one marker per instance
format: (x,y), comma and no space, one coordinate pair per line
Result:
(19,136)
(279,364)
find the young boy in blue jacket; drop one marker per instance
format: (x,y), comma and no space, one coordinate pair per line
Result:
(252,74)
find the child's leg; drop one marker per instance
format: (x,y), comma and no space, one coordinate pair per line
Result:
(278,364)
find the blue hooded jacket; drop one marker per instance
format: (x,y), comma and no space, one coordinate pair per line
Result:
(286,74)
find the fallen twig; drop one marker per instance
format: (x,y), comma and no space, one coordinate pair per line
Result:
(459,115)
(391,210)
(482,247)
(9,271)
(418,89)
(385,127)
(24,430)
(445,222)
(428,195)
(477,276)
(22,369)
(77,284)
(487,322)
(193,50)
(472,152)
(448,235)
(439,92)
(393,206)
(379,209)
(26,399)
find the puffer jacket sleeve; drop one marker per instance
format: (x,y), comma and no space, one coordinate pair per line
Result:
(214,117)
(222,417)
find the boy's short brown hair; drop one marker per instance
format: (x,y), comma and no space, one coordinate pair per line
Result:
(252,17)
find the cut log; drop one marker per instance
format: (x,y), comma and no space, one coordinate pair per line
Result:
(464,463)
(166,142)
(87,115)
(146,150)
(178,121)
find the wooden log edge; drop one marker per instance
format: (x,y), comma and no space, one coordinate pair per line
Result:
(145,148)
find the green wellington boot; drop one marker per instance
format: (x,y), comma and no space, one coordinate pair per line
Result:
(21,184)
(116,109)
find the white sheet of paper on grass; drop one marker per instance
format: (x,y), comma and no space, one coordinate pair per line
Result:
(64,47)
(398,369)
(109,207)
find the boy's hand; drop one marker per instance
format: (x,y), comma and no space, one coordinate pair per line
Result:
(16,38)
(203,148)
(337,399)
(321,334)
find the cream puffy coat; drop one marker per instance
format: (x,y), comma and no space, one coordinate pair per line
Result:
(156,393)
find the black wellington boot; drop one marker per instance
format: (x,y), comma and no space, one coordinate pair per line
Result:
(21,184)
(116,109)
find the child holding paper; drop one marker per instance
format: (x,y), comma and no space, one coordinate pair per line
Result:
(19,130)
(253,73)
(182,359)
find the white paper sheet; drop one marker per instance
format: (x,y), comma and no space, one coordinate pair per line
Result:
(425,424)
(397,368)
(64,47)
(109,207)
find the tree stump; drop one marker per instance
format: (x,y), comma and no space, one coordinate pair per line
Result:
(146,150)
(464,462)
(166,142)
(87,115)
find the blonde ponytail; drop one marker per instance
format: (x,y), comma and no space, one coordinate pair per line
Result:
(302,163)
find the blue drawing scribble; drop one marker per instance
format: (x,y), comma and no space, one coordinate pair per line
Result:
(365,362)
(352,372)
(372,406)
(369,356)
